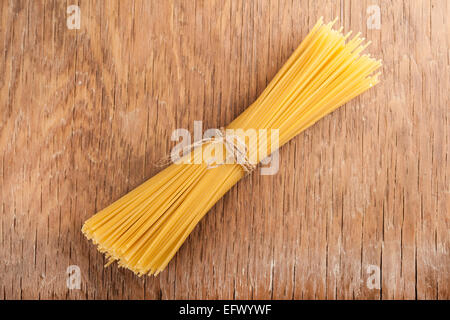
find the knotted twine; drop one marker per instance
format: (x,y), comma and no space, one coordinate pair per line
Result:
(236,151)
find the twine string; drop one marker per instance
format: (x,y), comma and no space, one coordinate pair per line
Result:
(236,151)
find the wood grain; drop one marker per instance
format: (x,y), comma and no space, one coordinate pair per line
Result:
(85,113)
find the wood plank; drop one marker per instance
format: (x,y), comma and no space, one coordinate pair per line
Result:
(86,113)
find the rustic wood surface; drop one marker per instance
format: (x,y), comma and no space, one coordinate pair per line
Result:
(85,113)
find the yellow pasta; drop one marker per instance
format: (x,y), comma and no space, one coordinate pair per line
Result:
(143,230)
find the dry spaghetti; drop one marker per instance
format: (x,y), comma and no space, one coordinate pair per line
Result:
(143,230)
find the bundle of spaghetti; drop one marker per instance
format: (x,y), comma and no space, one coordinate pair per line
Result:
(143,230)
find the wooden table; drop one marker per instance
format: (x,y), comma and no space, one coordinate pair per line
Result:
(85,113)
